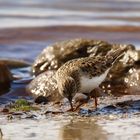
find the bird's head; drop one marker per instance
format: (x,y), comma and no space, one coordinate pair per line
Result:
(67,88)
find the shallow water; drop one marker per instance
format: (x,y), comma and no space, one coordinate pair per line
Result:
(56,20)
(55,129)
(26,27)
(72,129)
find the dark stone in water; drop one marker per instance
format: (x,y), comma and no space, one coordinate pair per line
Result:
(5,78)
(110,107)
(127,106)
(13,63)
(41,99)
(123,78)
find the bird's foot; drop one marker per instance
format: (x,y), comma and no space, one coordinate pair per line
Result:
(70,110)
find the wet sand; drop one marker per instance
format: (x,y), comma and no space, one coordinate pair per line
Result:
(73,130)
(107,123)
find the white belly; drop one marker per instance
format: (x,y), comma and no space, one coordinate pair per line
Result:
(87,85)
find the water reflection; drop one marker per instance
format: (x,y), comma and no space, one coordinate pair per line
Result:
(82,130)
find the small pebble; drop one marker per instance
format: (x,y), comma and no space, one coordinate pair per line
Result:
(112,117)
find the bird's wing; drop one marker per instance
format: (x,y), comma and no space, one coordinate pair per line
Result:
(94,66)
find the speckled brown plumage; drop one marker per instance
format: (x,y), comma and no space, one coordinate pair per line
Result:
(69,75)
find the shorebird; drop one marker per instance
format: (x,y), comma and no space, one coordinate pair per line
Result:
(84,74)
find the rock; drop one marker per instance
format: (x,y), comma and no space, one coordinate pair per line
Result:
(41,99)
(57,54)
(132,81)
(5,78)
(45,85)
(54,56)
(123,73)
(5,110)
(13,63)
(82,98)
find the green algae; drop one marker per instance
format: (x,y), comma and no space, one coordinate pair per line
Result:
(22,105)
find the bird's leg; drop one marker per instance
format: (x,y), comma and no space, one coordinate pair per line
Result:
(70,101)
(95,102)
(95,94)
(71,106)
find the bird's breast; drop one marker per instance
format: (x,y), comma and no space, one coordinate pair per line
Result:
(88,84)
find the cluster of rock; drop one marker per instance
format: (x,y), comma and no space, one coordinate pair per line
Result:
(6,76)
(123,78)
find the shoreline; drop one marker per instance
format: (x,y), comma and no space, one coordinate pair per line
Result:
(53,34)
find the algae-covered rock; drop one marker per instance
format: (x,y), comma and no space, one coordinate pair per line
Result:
(121,75)
(52,57)
(132,80)
(19,105)
(45,85)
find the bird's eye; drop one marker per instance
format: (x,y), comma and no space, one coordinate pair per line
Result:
(83,63)
(63,91)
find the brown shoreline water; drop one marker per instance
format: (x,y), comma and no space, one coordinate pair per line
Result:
(118,33)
